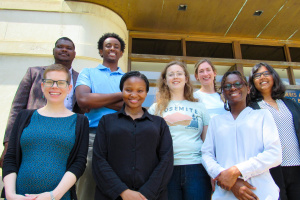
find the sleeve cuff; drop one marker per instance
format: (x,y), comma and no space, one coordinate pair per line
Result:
(217,171)
(119,190)
(148,194)
(244,169)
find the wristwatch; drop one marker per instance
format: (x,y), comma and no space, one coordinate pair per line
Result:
(52,196)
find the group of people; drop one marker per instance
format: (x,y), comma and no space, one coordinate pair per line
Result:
(241,143)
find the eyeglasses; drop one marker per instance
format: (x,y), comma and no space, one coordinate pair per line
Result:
(258,75)
(178,74)
(59,83)
(237,85)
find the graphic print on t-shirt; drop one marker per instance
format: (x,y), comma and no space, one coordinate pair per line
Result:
(177,118)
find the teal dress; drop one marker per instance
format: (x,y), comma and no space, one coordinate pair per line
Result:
(46,144)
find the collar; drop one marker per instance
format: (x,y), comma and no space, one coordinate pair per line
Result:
(103,68)
(242,114)
(122,112)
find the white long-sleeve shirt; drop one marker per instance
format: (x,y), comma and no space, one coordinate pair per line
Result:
(251,143)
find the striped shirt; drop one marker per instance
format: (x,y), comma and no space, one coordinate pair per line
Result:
(287,134)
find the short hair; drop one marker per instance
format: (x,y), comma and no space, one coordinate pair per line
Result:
(65,38)
(278,89)
(112,35)
(212,67)
(134,74)
(243,79)
(60,68)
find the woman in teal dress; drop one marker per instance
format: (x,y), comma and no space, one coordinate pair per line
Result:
(48,147)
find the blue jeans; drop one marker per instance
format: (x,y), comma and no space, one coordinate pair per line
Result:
(189,182)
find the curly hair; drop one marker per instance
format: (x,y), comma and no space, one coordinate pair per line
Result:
(278,89)
(212,67)
(112,35)
(243,79)
(163,95)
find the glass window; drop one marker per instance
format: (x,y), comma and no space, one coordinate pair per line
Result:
(209,49)
(295,54)
(257,52)
(156,47)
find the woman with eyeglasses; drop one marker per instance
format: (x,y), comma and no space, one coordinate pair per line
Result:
(187,120)
(267,92)
(241,146)
(205,73)
(48,147)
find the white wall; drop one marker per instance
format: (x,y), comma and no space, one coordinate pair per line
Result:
(29,29)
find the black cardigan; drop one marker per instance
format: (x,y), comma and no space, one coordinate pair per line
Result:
(294,108)
(76,161)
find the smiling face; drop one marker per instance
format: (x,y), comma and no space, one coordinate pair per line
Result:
(64,51)
(55,94)
(235,95)
(111,51)
(134,92)
(205,74)
(263,84)
(175,78)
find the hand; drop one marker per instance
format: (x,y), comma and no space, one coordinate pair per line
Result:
(3,154)
(242,190)
(132,195)
(20,197)
(41,196)
(213,184)
(227,178)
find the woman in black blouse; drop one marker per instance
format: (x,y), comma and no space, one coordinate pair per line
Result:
(133,152)
(267,92)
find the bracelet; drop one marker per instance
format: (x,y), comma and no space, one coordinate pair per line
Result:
(52,196)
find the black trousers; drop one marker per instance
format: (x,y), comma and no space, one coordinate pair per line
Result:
(288,180)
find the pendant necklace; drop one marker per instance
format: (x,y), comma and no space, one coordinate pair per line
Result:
(176,105)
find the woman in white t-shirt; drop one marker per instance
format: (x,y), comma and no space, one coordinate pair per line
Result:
(187,119)
(205,73)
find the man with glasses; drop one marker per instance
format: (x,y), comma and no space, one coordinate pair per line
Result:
(98,94)
(29,94)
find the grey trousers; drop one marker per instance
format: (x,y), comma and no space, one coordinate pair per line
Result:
(86,185)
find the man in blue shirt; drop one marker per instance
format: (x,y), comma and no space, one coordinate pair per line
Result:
(97,92)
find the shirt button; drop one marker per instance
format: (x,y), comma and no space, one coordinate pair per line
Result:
(133,168)
(133,150)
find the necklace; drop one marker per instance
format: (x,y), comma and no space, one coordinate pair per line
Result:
(176,103)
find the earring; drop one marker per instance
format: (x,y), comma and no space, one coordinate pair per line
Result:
(43,96)
(226,105)
(67,97)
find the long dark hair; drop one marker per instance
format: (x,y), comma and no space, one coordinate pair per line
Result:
(278,89)
(244,81)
